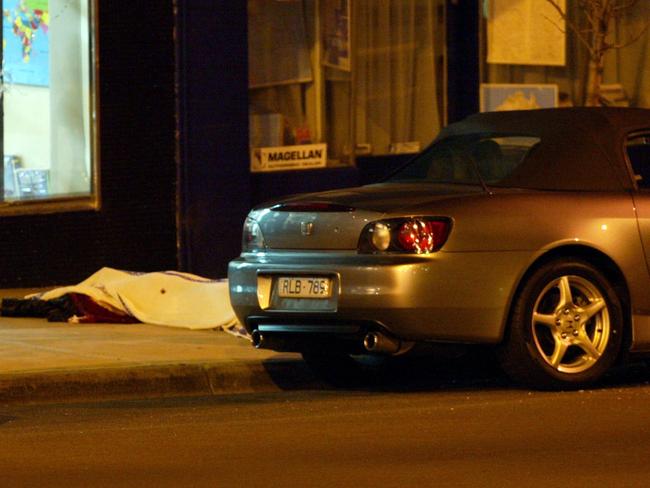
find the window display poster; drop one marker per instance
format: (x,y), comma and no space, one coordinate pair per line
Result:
(25,42)
(496,97)
(336,34)
(528,32)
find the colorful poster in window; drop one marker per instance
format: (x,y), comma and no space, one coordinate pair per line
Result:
(336,34)
(496,97)
(530,32)
(25,42)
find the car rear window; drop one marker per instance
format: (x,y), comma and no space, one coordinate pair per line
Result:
(469,160)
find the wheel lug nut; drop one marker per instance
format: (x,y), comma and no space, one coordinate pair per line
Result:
(566,311)
(575,332)
(564,336)
(576,318)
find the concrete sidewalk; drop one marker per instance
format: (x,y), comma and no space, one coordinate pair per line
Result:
(48,361)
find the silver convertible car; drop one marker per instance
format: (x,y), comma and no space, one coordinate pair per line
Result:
(526,230)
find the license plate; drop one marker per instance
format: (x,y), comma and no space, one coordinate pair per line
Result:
(304,287)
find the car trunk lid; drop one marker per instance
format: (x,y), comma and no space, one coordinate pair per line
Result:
(334,220)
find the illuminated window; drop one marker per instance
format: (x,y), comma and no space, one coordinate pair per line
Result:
(342,78)
(48,76)
(527,48)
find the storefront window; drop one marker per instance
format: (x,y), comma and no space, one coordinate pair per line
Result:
(399,47)
(48,102)
(330,80)
(528,50)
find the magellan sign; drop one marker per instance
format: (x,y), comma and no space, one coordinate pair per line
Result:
(288,157)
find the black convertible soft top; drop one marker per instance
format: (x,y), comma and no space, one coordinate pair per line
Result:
(580,148)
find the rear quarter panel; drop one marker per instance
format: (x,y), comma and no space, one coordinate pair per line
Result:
(539,221)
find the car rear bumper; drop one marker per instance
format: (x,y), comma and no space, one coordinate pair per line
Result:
(457,297)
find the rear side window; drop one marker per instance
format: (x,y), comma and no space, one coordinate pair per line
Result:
(638,153)
(498,157)
(469,160)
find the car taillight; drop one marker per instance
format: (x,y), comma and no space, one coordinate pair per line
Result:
(252,238)
(422,236)
(416,235)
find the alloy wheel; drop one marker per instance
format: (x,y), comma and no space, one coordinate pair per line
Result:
(571,324)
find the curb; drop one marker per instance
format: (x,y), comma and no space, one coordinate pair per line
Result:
(164,380)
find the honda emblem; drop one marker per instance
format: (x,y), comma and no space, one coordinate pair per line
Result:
(306,228)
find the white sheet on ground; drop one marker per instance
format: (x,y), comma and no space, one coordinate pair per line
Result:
(163,298)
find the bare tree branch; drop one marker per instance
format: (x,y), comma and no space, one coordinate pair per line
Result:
(601,16)
(587,8)
(625,5)
(578,32)
(556,25)
(639,35)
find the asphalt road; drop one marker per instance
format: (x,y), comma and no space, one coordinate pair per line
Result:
(478,430)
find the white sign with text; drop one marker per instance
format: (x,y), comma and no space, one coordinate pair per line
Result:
(285,158)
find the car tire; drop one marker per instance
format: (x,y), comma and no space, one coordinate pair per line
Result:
(566,327)
(346,370)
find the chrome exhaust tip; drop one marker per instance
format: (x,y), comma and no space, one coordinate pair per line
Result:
(257,339)
(379,343)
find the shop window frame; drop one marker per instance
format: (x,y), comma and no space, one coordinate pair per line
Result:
(69,202)
(316,94)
